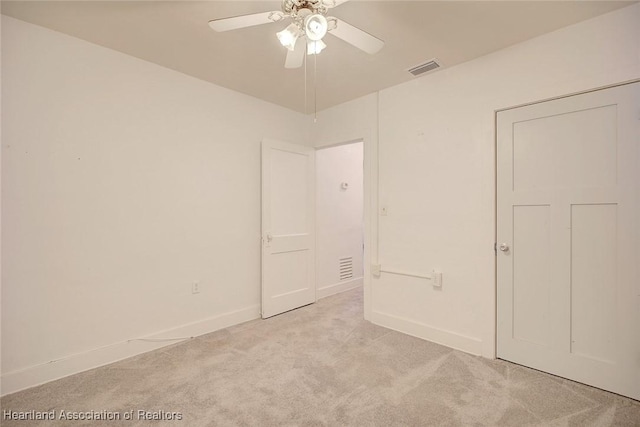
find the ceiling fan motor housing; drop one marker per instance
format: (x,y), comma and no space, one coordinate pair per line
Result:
(302,8)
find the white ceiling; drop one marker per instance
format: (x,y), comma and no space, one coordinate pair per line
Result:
(175,34)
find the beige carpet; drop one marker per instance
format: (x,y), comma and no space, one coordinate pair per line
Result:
(321,365)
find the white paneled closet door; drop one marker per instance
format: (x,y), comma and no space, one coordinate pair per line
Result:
(568,237)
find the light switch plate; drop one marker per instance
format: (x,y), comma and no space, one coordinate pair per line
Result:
(375,269)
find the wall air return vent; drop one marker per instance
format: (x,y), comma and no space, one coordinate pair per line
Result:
(425,67)
(346,268)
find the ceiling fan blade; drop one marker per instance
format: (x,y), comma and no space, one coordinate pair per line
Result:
(233,23)
(333,3)
(295,57)
(355,36)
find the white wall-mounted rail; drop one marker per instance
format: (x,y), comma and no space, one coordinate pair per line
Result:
(435,276)
(405,273)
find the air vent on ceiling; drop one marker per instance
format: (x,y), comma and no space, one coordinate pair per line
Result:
(346,268)
(425,67)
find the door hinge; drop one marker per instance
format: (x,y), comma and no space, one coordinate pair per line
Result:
(495,248)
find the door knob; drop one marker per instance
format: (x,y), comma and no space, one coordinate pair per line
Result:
(504,247)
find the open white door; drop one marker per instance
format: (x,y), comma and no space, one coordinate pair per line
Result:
(568,236)
(288,223)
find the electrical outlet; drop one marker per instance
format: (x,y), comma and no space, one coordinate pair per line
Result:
(195,287)
(436,279)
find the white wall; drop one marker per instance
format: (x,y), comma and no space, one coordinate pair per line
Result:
(436,170)
(339,216)
(0,206)
(122,182)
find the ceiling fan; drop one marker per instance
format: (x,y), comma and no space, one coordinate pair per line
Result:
(310,23)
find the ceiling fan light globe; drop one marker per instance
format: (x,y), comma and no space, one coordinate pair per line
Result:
(315,47)
(315,26)
(288,37)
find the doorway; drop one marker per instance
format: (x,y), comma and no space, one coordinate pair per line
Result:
(339,218)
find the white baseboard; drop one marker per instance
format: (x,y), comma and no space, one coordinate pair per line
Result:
(12,382)
(336,288)
(420,330)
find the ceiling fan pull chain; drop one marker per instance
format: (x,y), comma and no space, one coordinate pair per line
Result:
(305,84)
(315,88)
